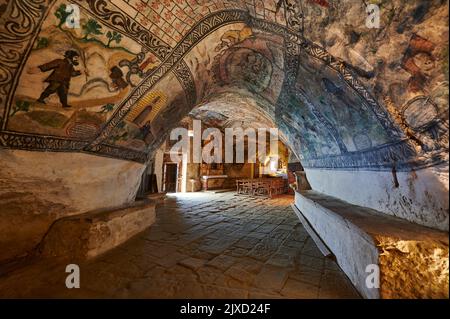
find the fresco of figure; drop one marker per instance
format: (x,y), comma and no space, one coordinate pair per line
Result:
(116,76)
(59,79)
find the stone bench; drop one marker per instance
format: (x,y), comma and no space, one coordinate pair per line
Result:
(91,234)
(412,259)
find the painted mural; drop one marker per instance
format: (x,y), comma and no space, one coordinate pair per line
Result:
(420,104)
(245,69)
(152,116)
(337,106)
(308,136)
(75,77)
(252,60)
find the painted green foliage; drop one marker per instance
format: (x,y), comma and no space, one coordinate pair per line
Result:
(91,28)
(41,43)
(91,53)
(20,106)
(107,108)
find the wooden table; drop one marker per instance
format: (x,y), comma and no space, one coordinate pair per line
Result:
(261,186)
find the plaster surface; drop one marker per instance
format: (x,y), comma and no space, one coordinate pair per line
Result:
(421,197)
(37,188)
(89,235)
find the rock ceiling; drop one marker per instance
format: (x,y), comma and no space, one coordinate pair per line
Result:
(343,97)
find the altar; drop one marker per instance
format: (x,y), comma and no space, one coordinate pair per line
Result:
(213,181)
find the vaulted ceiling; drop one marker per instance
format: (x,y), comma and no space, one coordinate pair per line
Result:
(343,95)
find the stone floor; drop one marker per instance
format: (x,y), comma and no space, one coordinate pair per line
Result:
(202,246)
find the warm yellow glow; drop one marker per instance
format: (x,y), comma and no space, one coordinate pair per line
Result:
(274,164)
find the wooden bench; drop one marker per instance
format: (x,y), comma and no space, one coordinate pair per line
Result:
(266,187)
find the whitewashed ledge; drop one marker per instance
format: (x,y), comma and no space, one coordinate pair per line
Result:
(91,234)
(413,260)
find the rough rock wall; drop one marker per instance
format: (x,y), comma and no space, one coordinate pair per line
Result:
(404,275)
(414,29)
(36,188)
(403,63)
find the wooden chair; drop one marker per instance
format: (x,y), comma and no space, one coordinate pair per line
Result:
(239,186)
(247,187)
(263,188)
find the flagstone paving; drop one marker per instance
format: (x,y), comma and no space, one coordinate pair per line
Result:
(203,245)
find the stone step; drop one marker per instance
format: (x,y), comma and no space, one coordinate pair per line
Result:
(158,198)
(412,259)
(91,234)
(220,191)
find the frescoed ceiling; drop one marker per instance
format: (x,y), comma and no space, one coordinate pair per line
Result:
(114,81)
(172,20)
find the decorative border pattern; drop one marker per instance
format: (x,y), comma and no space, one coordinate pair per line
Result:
(113,151)
(39,143)
(401,155)
(49,143)
(186,79)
